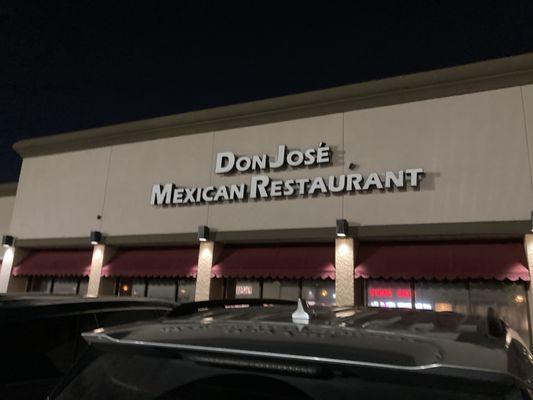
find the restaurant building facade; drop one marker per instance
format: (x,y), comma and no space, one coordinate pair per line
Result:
(413,192)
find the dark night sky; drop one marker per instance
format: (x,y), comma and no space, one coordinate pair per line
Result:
(69,65)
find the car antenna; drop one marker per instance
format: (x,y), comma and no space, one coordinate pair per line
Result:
(300,316)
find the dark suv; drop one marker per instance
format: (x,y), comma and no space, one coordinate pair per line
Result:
(274,350)
(41,336)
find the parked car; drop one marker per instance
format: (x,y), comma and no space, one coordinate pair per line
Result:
(40,336)
(262,349)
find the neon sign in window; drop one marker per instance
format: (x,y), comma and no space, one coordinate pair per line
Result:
(389,294)
(244,290)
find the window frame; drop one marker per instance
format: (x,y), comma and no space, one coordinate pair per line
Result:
(53,281)
(230,283)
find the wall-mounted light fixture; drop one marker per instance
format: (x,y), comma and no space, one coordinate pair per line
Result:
(96,238)
(203,233)
(8,241)
(342,228)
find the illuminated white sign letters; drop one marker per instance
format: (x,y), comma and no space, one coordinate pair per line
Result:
(264,187)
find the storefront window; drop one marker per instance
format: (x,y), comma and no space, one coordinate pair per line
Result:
(18,284)
(186,290)
(319,291)
(441,296)
(283,290)
(138,288)
(271,289)
(507,298)
(247,289)
(389,294)
(289,290)
(65,286)
(125,287)
(162,289)
(84,285)
(41,284)
(108,286)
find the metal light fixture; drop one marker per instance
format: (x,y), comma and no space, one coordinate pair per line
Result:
(96,237)
(342,228)
(203,233)
(8,241)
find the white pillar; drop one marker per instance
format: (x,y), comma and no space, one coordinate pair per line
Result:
(12,256)
(203,276)
(101,255)
(7,266)
(344,271)
(207,257)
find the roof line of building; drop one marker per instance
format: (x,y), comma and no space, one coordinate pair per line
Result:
(470,78)
(8,189)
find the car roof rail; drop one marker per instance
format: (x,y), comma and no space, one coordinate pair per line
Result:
(197,306)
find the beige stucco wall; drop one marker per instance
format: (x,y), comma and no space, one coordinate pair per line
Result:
(473,147)
(6,212)
(61,195)
(136,167)
(527,98)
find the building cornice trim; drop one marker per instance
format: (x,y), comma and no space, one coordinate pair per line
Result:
(8,189)
(499,230)
(470,78)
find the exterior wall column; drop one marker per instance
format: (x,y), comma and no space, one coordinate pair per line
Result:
(344,271)
(528,247)
(12,256)
(101,255)
(206,258)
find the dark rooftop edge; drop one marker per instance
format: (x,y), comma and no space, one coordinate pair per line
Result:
(470,78)
(8,189)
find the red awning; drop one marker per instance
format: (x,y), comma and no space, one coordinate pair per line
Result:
(443,261)
(289,262)
(156,262)
(55,263)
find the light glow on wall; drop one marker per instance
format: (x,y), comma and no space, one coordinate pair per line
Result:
(519,299)
(207,251)
(443,307)
(344,248)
